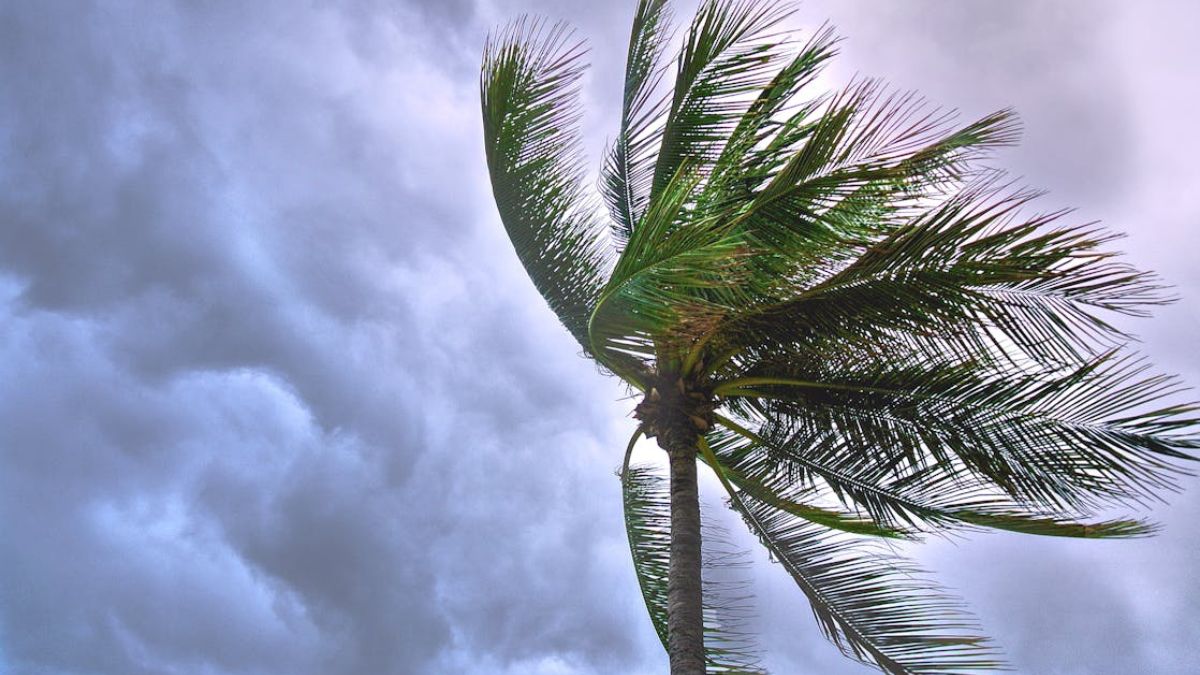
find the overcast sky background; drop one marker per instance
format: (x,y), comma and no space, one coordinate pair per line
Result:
(276,396)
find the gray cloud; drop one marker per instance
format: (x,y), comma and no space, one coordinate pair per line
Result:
(277,398)
(247,418)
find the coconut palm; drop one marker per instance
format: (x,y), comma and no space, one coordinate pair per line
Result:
(830,303)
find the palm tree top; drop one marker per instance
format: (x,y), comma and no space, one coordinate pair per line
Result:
(831,302)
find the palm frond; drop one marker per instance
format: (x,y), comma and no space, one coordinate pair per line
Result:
(798,501)
(877,608)
(856,131)
(1081,438)
(824,189)
(529,92)
(729,644)
(865,137)
(726,56)
(648,527)
(926,499)
(730,173)
(629,167)
(971,276)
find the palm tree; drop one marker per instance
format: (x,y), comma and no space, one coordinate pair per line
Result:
(831,304)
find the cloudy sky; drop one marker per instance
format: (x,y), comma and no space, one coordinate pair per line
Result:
(276,396)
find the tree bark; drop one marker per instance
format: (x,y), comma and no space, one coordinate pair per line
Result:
(685,612)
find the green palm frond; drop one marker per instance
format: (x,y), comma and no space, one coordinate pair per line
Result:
(932,498)
(655,287)
(730,645)
(656,294)
(866,149)
(727,55)
(648,527)
(1083,438)
(530,104)
(629,168)
(731,175)
(969,277)
(798,501)
(877,608)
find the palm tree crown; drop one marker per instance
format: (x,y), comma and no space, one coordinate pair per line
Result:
(828,302)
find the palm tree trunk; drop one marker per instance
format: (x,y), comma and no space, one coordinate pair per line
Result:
(685,613)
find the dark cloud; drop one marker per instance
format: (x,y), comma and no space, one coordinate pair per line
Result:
(266,407)
(277,398)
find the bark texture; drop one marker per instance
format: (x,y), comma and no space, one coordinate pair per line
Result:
(685,611)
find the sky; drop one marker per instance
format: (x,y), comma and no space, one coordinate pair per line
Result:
(276,396)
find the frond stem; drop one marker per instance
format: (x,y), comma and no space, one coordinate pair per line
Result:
(733,387)
(637,433)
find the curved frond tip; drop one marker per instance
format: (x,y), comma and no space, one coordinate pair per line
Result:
(530,100)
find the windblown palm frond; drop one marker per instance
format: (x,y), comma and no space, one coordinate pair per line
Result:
(530,111)
(726,55)
(629,169)
(934,498)
(830,302)
(969,276)
(876,607)
(1082,439)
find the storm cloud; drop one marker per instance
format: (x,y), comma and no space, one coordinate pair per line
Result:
(276,396)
